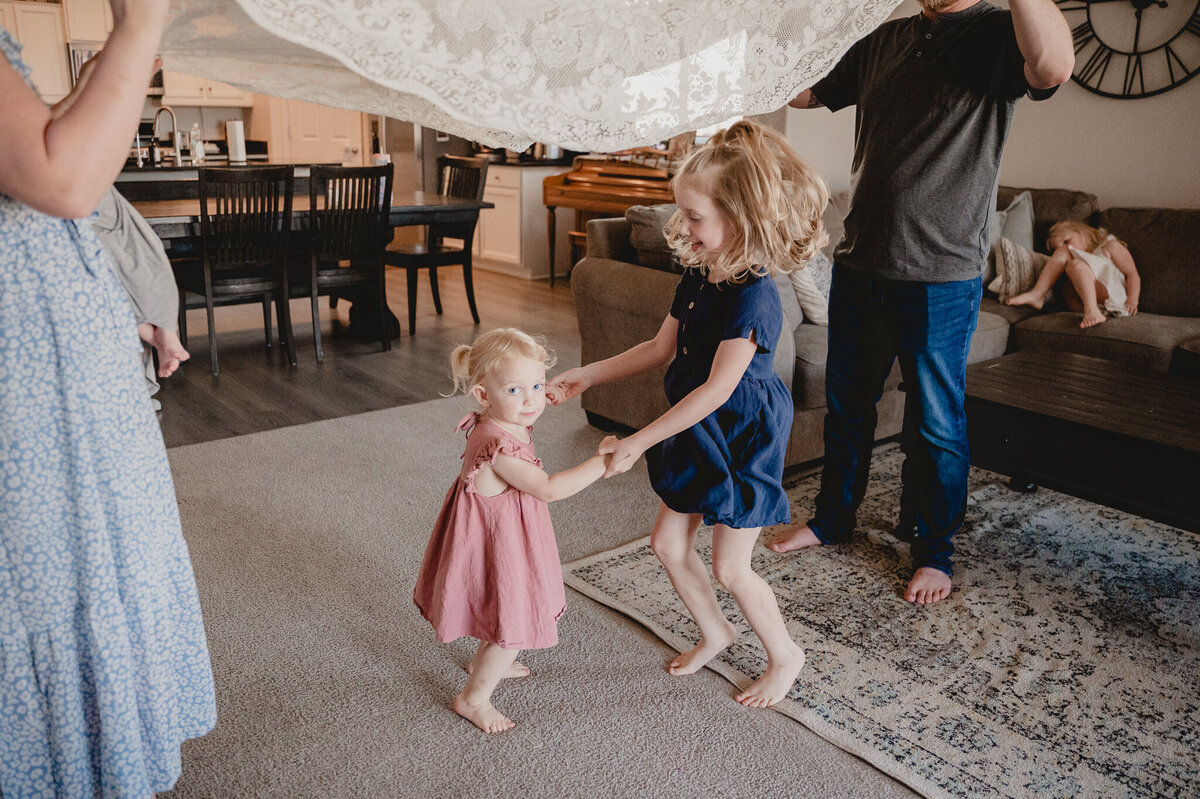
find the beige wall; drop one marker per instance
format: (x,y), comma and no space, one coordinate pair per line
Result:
(1127,152)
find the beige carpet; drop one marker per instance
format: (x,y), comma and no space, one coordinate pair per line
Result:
(1066,662)
(306,543)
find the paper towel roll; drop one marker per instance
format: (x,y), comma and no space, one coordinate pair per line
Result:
(235,140)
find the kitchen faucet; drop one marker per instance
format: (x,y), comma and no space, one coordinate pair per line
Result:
(174,132)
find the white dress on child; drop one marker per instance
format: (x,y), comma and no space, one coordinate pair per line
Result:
(1108,276)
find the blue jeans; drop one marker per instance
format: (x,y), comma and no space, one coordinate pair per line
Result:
(928,326)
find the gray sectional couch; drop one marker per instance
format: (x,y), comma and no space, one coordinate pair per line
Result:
(619,303)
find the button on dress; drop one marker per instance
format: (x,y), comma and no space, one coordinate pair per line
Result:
(104,668)
(729,466)
(491,569)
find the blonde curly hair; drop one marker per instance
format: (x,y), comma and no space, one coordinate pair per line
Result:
(470,363)
(771,196)
(1094,236)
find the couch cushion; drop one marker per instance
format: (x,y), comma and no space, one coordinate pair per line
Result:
(1050,206)
(1165,245)
(646,223)
(1144,338)
(1017,269)
(1010,313)
(793,314)
(990,339)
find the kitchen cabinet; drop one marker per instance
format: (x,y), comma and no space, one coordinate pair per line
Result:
(512,237)
(88,20)
(40,30)
(307,133)
(188,90)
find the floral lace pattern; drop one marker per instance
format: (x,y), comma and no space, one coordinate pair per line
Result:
(584,74)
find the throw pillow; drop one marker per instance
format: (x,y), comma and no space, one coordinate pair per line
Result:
(1017,269)
(1014,223)
(646,223)
(813,301)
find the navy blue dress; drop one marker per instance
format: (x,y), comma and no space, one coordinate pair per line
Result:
(729,466)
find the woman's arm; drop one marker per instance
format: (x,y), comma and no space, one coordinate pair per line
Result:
(525,476)
(1123,261)
(62,165)
(658,351)
(729,364)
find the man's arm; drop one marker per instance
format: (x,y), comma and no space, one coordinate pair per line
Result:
(1045,41)
(805,99)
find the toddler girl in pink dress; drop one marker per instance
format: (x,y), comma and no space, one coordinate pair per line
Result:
(491,569)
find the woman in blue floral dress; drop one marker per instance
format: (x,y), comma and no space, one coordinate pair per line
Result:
(104,668)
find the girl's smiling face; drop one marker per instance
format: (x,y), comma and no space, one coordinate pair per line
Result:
(701,222)
(514,393)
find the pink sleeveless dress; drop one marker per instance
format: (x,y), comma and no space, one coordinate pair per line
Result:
(491,568)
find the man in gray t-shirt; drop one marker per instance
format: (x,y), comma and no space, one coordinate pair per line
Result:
(934,97)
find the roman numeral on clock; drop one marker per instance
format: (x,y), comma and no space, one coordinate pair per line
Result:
(1096,65)
(1081,34)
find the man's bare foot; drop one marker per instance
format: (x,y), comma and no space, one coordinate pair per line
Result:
(928,585)
(790,538)
(776,681)
(1030,298)
(1092,317)
(517,669)
(170,350)
(693,660)
(483,715)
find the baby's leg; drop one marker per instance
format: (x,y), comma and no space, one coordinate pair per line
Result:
(517,669)
(1036,296)
(1083,280)
(674,542)
(475,702)
(731,565)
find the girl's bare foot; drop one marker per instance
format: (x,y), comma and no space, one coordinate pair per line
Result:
(1030,298)
(790,538)
(483,715)
(928,585)
(776,681)
(693,660)
(1092,317)
(517,669)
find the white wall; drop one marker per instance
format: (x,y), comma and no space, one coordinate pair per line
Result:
(1127,152)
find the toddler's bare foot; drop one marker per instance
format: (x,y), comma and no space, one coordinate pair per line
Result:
(517,669)
(776,681)
(170,351)
(1030,298)
(793,537)
(693,660)
(1092,317)
(483,715)
(928,585)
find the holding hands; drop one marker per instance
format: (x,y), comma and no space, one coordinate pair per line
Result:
(568,385)
(624,453)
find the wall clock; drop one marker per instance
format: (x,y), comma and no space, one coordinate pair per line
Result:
(1133,48)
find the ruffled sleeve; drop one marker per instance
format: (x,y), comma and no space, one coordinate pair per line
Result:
(495,442)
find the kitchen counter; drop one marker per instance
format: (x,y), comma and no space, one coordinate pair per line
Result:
(183,182)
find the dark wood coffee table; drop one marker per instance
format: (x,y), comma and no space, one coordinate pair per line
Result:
(1110,433)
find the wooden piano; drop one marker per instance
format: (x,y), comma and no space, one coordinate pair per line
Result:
(606,187)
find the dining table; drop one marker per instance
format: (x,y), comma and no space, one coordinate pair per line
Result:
(177,223)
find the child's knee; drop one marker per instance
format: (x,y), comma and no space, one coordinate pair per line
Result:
(669,550)
(732,573)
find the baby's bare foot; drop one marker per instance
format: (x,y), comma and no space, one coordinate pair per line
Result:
(790,538)
(1092,317)
(483,715)
(1029,298)
(928,585)
(170,351)
(693,660)
(517,669)
(776,681)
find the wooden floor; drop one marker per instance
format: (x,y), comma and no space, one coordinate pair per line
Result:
(257,390)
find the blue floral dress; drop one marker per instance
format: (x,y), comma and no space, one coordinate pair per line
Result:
(729,466)
(104,668)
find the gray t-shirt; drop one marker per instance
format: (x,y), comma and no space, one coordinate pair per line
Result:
(934,103)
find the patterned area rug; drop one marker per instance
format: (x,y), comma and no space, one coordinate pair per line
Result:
(1066,662)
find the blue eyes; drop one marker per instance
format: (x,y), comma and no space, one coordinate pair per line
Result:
(514,390)
(538,386)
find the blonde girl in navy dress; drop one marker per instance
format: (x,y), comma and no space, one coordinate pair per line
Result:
(749,208)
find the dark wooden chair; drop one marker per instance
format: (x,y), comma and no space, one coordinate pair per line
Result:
(245,223)
(458,176)
(348,234)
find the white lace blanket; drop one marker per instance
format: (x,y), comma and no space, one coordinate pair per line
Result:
(583,74)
